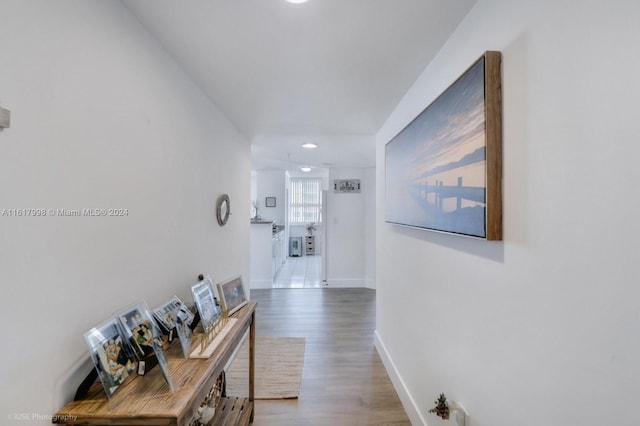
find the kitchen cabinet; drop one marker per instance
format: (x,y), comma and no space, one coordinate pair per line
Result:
(268,253)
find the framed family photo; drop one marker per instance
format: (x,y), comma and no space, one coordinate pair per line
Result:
(145,336)
(232,294)
(204,299)
(167,313)
(111,355)
(183,328)
(140,328)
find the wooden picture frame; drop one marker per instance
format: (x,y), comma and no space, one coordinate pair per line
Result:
(232,294)
(443,171)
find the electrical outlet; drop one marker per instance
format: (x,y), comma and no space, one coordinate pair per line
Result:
(461,415)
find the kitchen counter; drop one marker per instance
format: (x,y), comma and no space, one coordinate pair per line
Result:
(268,252)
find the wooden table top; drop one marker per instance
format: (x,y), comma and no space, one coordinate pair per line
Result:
(147,400)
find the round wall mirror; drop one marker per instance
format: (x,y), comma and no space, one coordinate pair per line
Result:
(223,209)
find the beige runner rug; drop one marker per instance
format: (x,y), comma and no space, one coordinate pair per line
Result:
(278,368)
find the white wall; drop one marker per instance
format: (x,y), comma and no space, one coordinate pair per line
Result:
(369,190)
(101,118)
(254,193)
(271,183)
(544,327)
(346,232)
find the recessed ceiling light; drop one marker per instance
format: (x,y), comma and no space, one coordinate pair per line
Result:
(297,1)
(305,169)
(309,145)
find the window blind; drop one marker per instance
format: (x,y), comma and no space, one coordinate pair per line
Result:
(305,201)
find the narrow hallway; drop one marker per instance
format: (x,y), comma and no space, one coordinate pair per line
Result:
(343,381)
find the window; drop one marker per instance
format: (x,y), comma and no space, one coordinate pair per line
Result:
(305,204)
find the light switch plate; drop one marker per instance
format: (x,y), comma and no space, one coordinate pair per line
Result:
(5,117)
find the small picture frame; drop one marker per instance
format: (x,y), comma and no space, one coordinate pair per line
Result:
(166,313)
(141,329)
(232,294)
(145,336)
(111,355)
(175,317)
(204,299)
(346,185)
(270,201)
(183,328)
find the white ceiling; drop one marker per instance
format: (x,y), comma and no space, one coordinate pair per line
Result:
(328,71)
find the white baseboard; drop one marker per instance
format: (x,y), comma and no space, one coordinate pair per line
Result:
(345,283)
(407,400)
(368,283)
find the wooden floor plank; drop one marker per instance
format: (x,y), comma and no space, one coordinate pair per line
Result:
(344,381)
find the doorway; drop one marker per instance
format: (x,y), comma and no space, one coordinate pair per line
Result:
(305,264)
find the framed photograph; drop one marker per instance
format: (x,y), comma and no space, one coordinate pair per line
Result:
(232,294)
(183,329)
(270,202)
(443,171)
(204,299)
(111,355)
(140,328)
(346,185)
(166,313)
(145,336)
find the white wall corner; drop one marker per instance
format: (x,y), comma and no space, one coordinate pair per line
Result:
(407,400)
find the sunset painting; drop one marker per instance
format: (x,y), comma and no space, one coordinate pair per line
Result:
(436,167)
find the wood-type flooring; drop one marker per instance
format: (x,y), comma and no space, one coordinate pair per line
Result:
(344,382)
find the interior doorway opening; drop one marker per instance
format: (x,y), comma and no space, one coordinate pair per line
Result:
(305,265)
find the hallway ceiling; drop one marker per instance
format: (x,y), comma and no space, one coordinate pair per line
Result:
(327,71)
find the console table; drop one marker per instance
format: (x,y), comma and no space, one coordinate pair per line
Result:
(147,400)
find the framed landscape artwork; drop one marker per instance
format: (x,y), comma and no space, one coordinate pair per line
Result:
(444,169)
